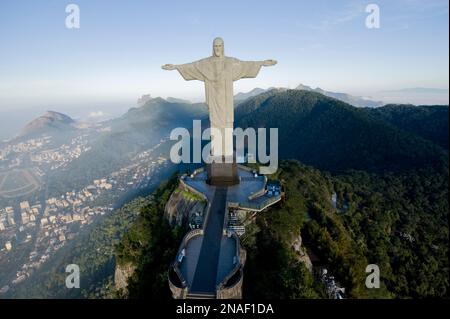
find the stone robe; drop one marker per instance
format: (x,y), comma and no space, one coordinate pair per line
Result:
(218,74)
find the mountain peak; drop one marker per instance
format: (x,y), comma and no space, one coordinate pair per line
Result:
(144,99)
(177,100)
(303,87)
(57,116)
(241,96)
(49,122)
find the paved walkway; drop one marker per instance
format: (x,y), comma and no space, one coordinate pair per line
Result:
(208,261)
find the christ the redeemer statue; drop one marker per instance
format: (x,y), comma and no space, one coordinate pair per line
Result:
(219,72)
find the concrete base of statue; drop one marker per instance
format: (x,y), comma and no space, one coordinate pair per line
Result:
(222,172)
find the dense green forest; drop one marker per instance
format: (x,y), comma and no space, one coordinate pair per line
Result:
(400,223)
(429,122)
(372,224)
(150,245)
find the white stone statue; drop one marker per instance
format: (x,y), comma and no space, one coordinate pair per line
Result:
(218,72)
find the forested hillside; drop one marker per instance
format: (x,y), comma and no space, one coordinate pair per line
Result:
(334,136)
(398,222)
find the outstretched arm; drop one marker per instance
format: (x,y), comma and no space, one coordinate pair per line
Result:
(188,71)
(268,62)
(169,67)
(249,69)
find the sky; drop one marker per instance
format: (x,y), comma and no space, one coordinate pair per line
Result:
(116,54)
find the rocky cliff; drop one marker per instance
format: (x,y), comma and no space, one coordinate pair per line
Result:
(302,254)
(121,275)
(184,207)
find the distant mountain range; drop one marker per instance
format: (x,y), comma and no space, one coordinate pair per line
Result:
(112,143)
(344,97)
(316,129)
(243,96)
(335,136)
(153,114)
(53,121)
(147,97)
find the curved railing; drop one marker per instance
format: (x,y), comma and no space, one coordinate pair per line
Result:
(254,206)
(192,189)
(238,262)
(221,287)
(245,168)
(259,193)
(186,238)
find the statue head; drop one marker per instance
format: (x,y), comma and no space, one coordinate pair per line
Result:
(218,49)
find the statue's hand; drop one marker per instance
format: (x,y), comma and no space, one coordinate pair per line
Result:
(269,62)
(169,67)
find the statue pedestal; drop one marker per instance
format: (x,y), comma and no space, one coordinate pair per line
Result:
(221,173)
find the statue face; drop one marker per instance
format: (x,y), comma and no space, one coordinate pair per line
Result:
(218,48)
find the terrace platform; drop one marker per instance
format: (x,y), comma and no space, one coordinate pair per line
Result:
(210,260)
